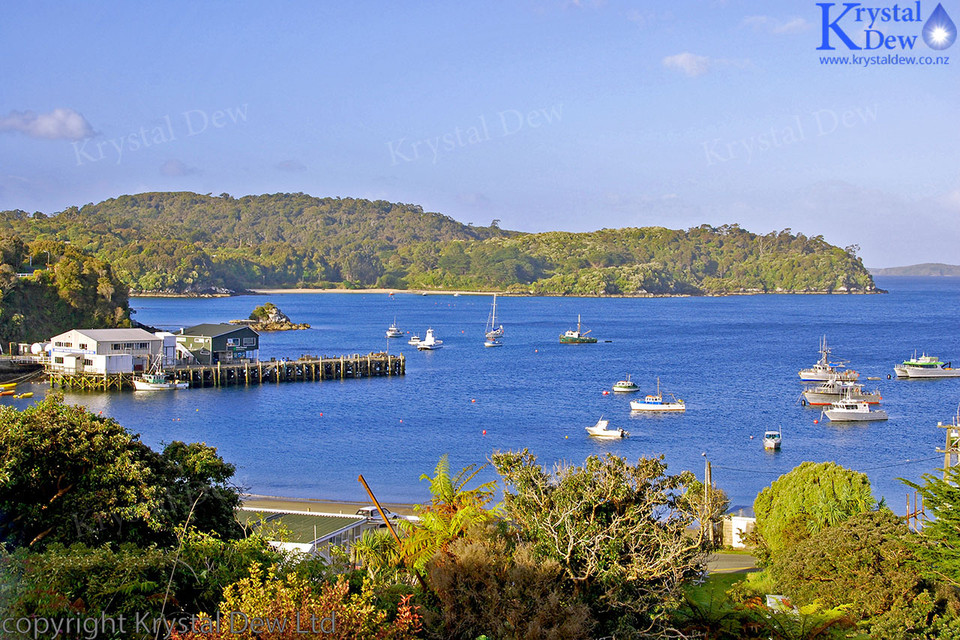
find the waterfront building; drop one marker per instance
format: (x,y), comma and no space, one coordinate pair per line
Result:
(103,350)
(209,344)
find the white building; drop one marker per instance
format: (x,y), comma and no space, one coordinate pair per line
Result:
(104,350)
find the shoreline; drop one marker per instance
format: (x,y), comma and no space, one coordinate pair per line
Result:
(271,503)
(505,294)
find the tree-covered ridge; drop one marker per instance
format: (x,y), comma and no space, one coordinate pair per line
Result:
(185,242)
(67,289)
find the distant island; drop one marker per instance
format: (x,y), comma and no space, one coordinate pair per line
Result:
(925,269)
(181,243)
(267,317)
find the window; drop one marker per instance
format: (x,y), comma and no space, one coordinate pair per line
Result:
(233,342)
(82,345)
(116,346)
(142,345)
(58,360)
(87,362)
(249,342)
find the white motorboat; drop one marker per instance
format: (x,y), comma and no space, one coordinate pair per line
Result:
(626,386)
(824,370)
(657,402)
(493,333)
(827,393)
(493,342)
(414,340)
(853,411)
(600,430)
(925,367)
(772,440)
(393,331)
(429,342)
(156,379)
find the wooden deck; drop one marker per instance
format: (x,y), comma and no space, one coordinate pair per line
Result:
(304,369)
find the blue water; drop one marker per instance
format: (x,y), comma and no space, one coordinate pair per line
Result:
(733,360)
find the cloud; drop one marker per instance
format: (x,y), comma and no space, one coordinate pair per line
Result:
(776,26)
(175,168)
(693,65)
(59,124)
(291,165)
(689,63)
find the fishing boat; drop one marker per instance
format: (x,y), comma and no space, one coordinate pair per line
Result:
(853,411)
(626,386)
(600,430)
(772,440)
(492,331)
(925,367)
(393,331)
(156,379)
(657,402)
(414,340)
(429,342)
(578,336)
(825,370)
(827,393)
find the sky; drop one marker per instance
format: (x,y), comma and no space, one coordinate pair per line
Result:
(544,115)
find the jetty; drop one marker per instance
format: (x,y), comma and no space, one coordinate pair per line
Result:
(304,369)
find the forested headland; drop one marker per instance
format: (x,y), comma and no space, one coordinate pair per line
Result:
(176,243)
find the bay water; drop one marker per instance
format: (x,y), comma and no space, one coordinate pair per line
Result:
(733,360)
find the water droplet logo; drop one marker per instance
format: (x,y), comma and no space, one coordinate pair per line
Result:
(939,32)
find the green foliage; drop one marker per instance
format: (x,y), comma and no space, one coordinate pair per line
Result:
(189,243)
(263,311)
(509,593)
(67,475)
(617,530)
(807,499)
(74,290)
(452,512)
(866,562)
(941,501)
(128,580)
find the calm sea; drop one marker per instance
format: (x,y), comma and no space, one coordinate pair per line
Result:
(733,360)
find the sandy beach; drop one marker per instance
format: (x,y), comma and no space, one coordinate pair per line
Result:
(269,503)
(415,292)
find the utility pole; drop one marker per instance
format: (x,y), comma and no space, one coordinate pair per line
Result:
(708,496)
(951,451)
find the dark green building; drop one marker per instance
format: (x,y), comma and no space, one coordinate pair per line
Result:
(213,343)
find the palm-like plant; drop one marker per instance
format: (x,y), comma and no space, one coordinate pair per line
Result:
(452,512)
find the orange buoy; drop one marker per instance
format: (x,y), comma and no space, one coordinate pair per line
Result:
(473,399)
(816,422)
(606,393)
(484,432)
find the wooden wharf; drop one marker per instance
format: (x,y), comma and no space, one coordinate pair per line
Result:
(304,369)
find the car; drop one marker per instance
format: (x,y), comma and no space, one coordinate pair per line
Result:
(371,512)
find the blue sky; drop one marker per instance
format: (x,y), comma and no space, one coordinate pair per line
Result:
(544,115)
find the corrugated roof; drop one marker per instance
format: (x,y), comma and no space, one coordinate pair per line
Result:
(213,330)
(105,335)
(300,526)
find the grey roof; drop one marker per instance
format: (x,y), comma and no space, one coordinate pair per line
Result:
(214,330)
(106,335)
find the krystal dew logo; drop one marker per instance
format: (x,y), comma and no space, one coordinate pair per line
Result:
(883,27)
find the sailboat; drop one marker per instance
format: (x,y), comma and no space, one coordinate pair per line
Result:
(493,332)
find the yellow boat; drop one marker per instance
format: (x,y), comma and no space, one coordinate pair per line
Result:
(8,385)
(28,394)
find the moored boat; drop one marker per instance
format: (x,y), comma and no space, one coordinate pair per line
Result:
(393,331)
(429,342)
(827,393)
(156,379)
(578,336)
(414,340)
(853,411)
(772,439)
(925,367)
(493,333)
(824,370)
(600,430)
(626,386)
(657,402)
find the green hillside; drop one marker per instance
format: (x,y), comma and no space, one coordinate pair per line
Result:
(190,243)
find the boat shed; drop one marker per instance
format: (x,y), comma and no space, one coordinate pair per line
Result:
(103,350)
(212,343)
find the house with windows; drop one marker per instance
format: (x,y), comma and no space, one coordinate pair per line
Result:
(212,343)
(103,350)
